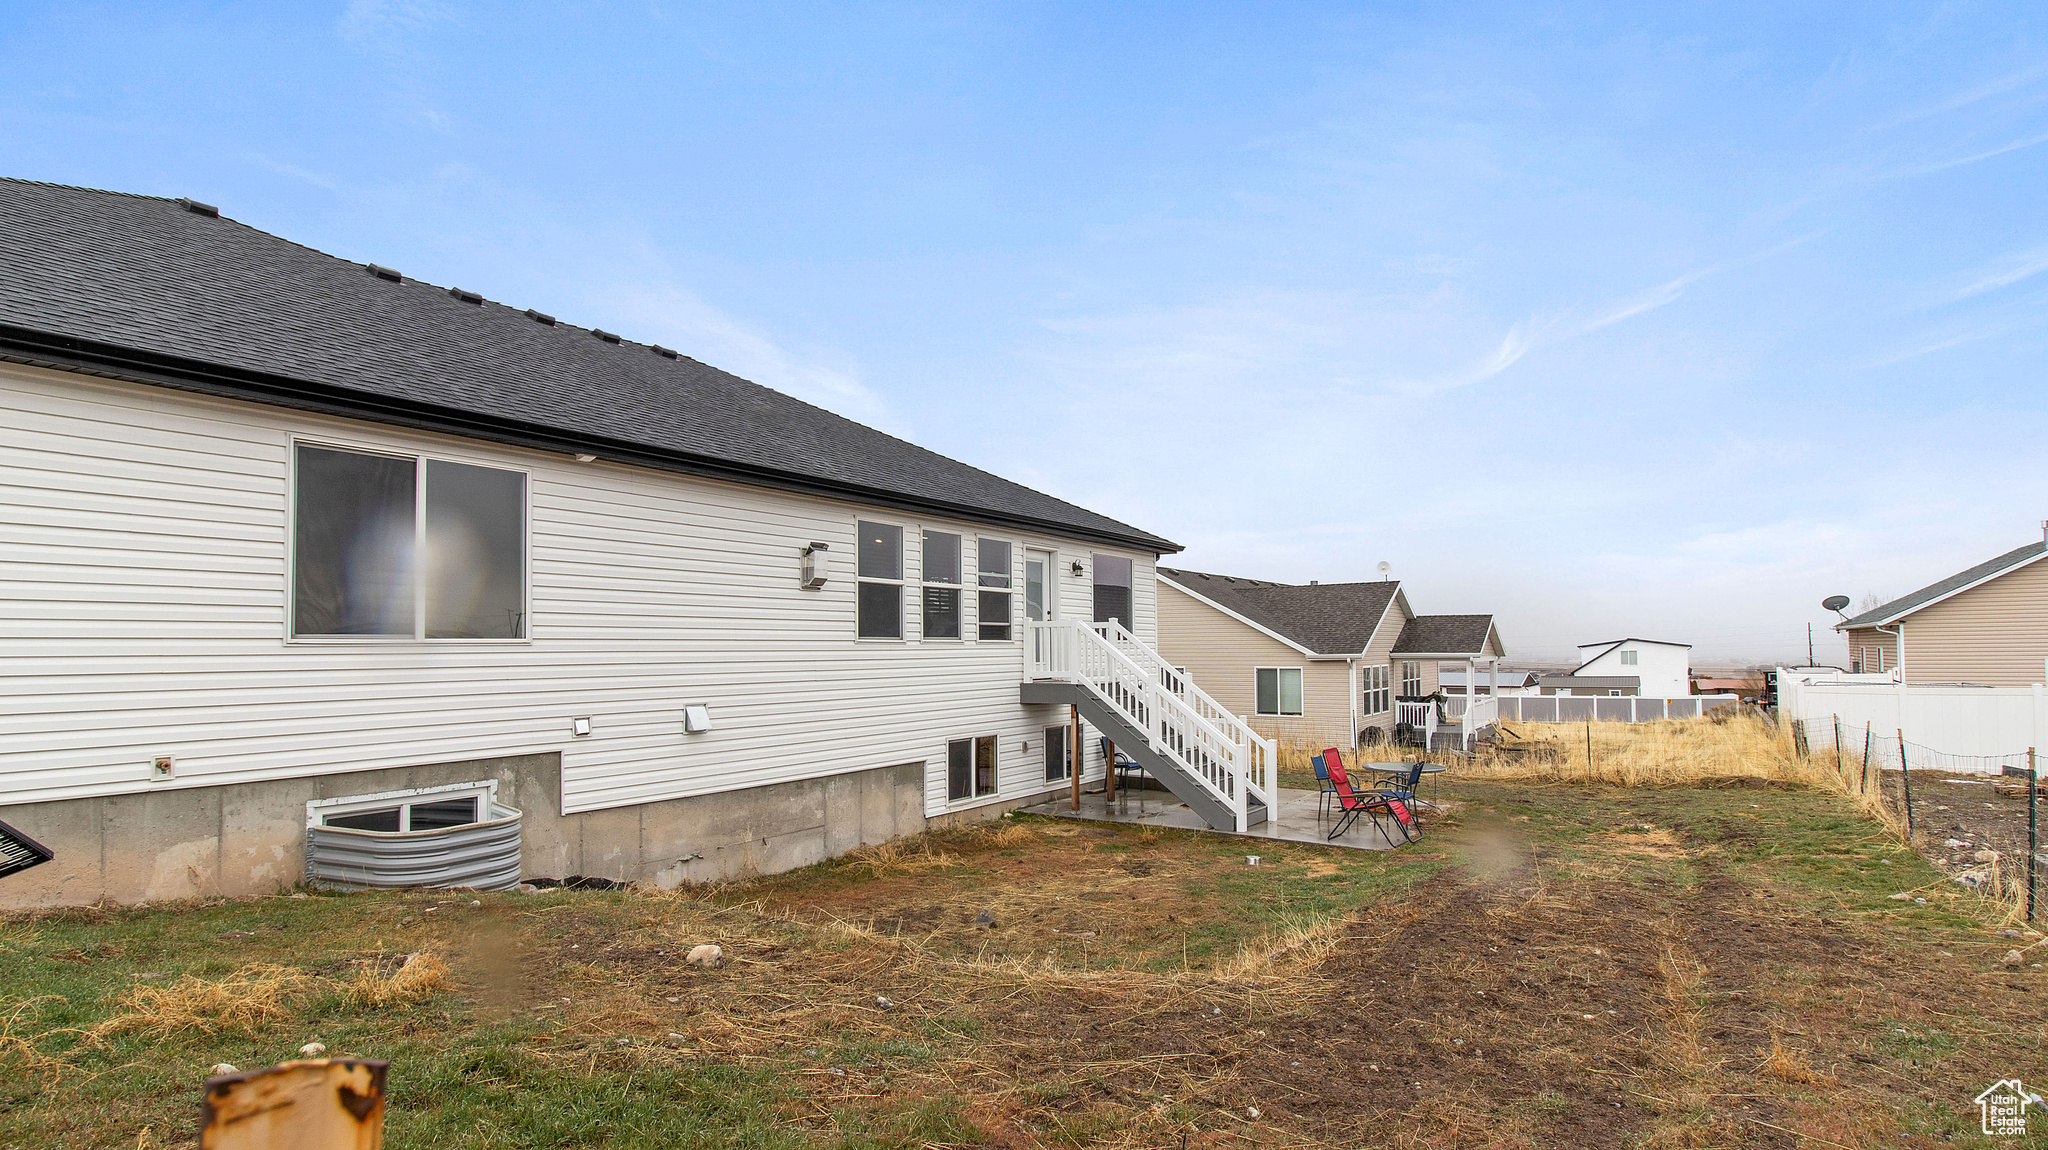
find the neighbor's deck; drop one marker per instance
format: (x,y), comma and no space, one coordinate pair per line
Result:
(1154,807)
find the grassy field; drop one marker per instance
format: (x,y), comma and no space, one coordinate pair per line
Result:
(1553,965)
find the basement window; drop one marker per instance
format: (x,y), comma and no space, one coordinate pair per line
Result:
(970,768)
(400,812)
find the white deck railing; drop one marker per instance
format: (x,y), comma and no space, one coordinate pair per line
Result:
(1462,717)
(1421,718)
(1229,759)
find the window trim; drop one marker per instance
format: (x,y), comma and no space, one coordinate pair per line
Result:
(901,583)
(1279,694)
(958,586)
(1628,658)
(1405,680)
(975,795)
(1008,591)
(420,458)
(486,790)
(1384,688)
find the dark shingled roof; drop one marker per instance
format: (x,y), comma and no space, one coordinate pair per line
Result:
(152,289)
(1907,604)
(1444,635)
(1326,618)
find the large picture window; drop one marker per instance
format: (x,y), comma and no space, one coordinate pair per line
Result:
(992,561)
(941,585)
(878,572)
(1376,700)
(401,547)
(1278,690)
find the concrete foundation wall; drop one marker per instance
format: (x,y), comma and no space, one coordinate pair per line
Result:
(249,838)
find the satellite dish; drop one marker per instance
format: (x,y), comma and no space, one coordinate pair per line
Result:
(1834,603)
(1385,567)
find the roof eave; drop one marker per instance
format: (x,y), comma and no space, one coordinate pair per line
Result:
(89,357)
(1261,628)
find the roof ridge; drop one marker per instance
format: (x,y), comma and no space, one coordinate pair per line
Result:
(86,188)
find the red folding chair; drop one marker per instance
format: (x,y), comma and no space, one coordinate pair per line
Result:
(1353,805)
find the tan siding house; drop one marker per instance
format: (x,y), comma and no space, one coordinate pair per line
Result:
(1986,625)
(1320,663)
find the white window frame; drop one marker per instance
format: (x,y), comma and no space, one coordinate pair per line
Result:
(1009,590)
(319,810)
(958,586)
(901,582)
(1411,685)
(974,792)
(419,526)
(1378,678)
(1279,693)
(1628,659)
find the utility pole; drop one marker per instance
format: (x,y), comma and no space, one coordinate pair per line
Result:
(1809,645)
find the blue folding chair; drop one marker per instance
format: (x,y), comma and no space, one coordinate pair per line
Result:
(1329,788)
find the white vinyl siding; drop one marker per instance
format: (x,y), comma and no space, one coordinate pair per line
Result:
(143,596)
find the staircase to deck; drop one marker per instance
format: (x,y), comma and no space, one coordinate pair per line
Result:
(1209,758)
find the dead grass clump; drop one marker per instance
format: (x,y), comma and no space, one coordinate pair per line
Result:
(1010,835)
(242,1001)
(18,1046)
(901,856)
(1671,752)
(414,979)
(1300,943)
(1785,1064)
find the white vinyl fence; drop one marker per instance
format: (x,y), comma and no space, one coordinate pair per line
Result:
(1948,727)
(1607,709)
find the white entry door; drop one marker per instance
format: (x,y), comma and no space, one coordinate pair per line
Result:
(1040,603)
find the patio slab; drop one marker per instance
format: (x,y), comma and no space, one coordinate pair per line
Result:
(1146,806)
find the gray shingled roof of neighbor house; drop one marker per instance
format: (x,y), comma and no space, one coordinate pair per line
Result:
(1907,604)
(149,289)
(1444,635)
(1325,618)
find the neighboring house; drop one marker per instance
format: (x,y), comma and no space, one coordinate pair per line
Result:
(1988,625)
(289,540)
(1510,682)
(1320,662)
(1647,667)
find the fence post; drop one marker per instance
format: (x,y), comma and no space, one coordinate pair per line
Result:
(2033,832)
(1906,781)
(1863,780)
(1838,746)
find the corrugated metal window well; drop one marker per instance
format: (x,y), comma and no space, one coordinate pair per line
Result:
(449,836)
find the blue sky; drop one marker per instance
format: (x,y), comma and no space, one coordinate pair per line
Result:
(1664,323)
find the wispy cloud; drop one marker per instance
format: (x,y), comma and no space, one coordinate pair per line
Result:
(1968,96)
(680,318)
(2016,268)
(1975,157)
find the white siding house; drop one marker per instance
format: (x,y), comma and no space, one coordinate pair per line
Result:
(189,661)
(1660,670)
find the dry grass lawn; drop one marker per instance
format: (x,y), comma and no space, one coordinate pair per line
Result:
(1555,964)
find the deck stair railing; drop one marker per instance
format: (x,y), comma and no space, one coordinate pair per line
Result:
(1230,761)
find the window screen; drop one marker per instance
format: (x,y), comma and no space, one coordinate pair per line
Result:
(879,567)
(1113,589)
(992,558)
(476,552)
(941,585)
(1278,690)
(361,554)
(985,765)
(382,819)
(960,769)
(352,544)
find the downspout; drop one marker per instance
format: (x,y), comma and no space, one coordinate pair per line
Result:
(1898,635)
(1351,676)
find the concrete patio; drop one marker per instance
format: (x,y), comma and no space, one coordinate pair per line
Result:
(1156,807)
